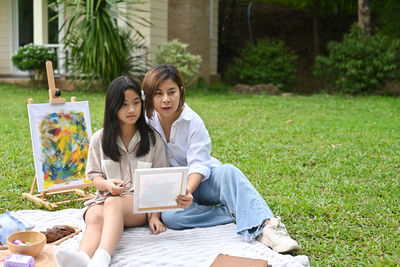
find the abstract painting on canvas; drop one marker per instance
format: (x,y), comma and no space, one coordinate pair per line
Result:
(60,140)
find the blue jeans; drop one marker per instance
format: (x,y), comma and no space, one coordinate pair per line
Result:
(225,197)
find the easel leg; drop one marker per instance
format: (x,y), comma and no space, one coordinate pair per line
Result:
(33,186)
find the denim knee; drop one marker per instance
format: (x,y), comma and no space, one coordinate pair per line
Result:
(229,173)
(169,219)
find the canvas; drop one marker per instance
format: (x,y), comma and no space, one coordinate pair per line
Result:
(156,189)
(60,140)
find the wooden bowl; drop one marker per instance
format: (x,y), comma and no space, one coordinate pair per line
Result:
(36,241)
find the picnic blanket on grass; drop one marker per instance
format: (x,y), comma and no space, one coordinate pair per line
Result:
(191,247)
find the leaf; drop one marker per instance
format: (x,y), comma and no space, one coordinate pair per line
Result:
(99,49)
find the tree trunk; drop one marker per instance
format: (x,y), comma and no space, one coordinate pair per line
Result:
(364,15)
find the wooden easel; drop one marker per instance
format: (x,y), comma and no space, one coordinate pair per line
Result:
(42,198)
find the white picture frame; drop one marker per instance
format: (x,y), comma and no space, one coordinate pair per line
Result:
(156,189)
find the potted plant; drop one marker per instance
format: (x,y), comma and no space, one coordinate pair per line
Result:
(32,58)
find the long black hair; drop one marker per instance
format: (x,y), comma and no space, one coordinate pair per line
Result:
(114,100)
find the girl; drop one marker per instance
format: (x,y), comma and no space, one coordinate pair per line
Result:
(125,143)
(216,194)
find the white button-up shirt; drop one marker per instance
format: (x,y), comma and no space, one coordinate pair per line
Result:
(189,143)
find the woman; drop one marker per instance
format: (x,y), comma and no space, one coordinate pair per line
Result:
(216,194)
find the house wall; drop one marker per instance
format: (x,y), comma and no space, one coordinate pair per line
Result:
(155,31)
(186,20)
(213,61)
(189,21)
(5,37)
(40,25)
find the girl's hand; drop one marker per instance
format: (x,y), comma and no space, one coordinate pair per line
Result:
(184,201)
(115,187)
(156,226)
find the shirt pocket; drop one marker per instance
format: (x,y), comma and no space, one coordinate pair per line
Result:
(112,169)
(143,164)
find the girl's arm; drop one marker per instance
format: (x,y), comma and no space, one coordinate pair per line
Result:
(160,159)
(112,185)
(156,226)
(94,170)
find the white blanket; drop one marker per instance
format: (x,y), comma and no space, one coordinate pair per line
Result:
(192,247)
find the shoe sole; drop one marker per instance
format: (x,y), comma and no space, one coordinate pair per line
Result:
(291,249)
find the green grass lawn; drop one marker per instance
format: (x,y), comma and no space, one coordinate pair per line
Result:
(332,172)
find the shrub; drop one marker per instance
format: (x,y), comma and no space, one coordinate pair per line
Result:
(360,63)
(268,61)
(174,53)
(32,57)
(101,50)
(387,18)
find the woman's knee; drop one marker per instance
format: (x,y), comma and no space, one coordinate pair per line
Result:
(229,168)
(229,173)
(170,221)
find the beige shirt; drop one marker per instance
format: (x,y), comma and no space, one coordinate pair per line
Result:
(98,164)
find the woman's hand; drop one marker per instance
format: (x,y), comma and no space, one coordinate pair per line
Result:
(115,187)
(184,201)
(156,226)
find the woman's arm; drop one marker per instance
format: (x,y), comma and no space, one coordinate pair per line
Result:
(198,152)
(194,180)
(198,158)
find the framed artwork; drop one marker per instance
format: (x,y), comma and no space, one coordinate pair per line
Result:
(156,189)
(60,140)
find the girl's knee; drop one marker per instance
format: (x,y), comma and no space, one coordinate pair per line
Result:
(113,202)
(94,219)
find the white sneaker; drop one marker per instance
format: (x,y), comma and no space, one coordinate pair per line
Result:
(275,236)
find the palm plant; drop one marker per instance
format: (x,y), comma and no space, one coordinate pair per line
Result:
(100,50)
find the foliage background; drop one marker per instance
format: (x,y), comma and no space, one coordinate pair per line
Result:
(32,57)
(360,64)
(175,53)
(101,49)
(306,27)
(267,61)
